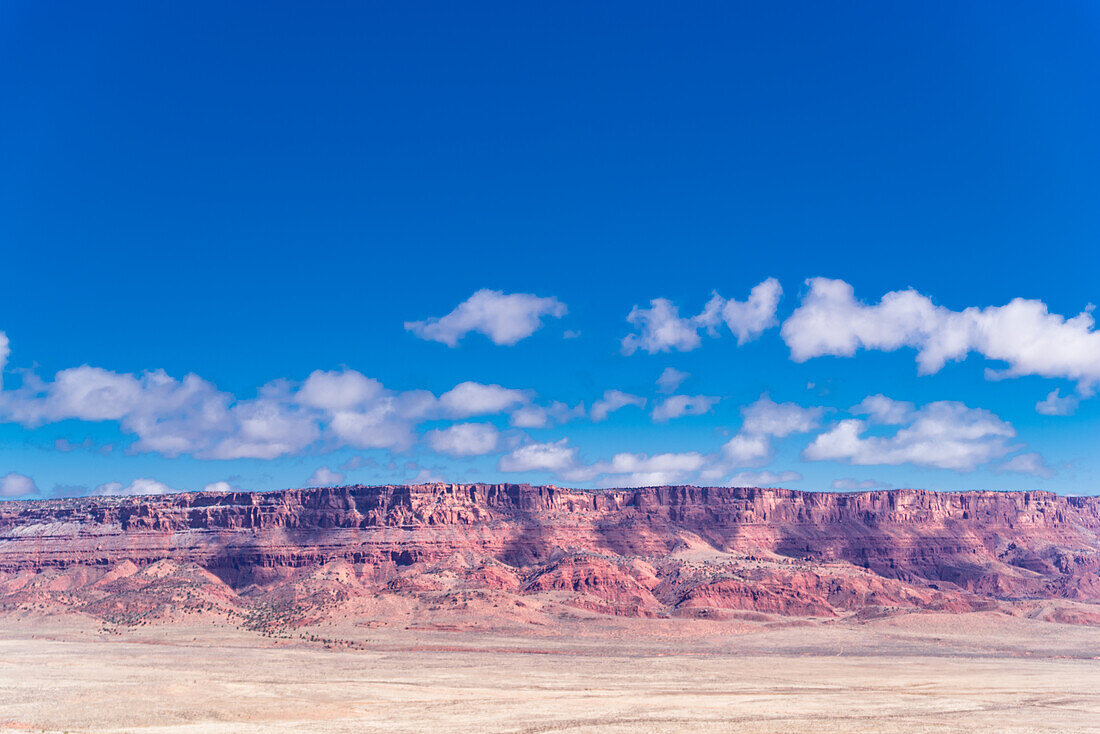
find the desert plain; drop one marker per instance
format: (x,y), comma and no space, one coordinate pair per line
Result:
(511,608)
(921,672)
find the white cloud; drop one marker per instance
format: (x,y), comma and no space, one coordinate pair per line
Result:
(174,417)
(751,446)
(1030,463)
(946,435)
(853,485)
(761,420)
(167,415)
(220,486)
(16,485)
(881,409)
(662,329)
(750,318)
(676,406)
(324,477)
(266,428)
(1054,404)
(530,416)
(671,379)
(426,476)
(472,398)
(560,412)
(611,401)
(763,478)
(91,394)
(623,470)
(464,439)
(139,486)
(642,470)
(504,318)
(335,391)
(555,457)
(5,352)
(386,423)
(191,416)
(746,450)
(766,417)
(537,416)
(1023,333)
(377,428)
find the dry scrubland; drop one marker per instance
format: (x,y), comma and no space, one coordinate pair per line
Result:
(913,673)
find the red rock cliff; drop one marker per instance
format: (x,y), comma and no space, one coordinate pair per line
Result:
(1002,544)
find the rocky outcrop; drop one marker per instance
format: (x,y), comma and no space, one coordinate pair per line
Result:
(771,550)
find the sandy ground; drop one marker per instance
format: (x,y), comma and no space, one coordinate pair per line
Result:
(919,673)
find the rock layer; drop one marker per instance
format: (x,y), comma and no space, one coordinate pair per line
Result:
(652,551)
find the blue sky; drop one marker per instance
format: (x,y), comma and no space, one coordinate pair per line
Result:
(252,194)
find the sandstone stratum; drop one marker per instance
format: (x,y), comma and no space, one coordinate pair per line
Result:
(480,556)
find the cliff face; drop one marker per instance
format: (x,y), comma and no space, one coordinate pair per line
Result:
(698,508)
(994,545)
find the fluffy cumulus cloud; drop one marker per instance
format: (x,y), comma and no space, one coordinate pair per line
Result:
(538,416)
(324,477)
(139,486)
(1023,333)
(660,328)
(220,486)
(766,417)
(427,476)
(763,478)
(464,439)
(530,416)
(17,485)
(266,429)
(175,417)
(676,406)
(167,415)
(643,470)
(188,415)
(555,457)
(613,400)
(745,450)
(1055,404)
(761,421)
(387,422)
(1028,463)
(191,416)
(338,391)
(944,434)
(504,318)
(749,318)
(84,393)
(881,409)
(623,469)
(472,398)
(5,352)
(670,380)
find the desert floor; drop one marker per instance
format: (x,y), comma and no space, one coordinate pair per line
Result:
(914,673)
